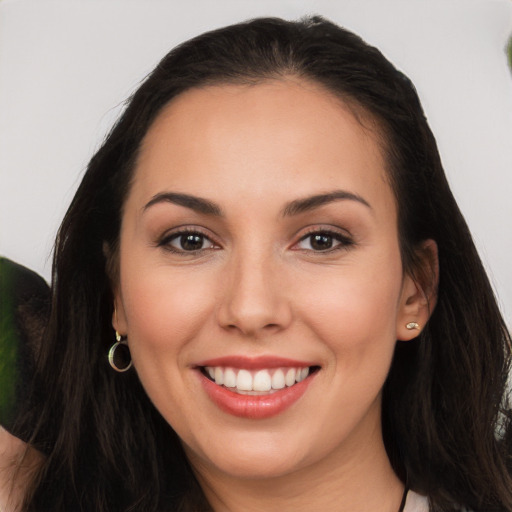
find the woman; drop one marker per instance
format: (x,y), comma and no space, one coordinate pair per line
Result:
(269,231)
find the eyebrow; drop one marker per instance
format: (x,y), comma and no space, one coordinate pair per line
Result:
(198,204)
(310,203)
(296,207)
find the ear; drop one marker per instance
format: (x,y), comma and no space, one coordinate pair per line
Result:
(111,268)
(118,315)
(419,292)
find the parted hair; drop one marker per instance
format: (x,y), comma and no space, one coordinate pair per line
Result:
(445,419)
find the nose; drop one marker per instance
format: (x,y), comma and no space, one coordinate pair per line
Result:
(254,298)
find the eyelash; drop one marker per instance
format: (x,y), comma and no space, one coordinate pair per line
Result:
(166,240)
(344,241)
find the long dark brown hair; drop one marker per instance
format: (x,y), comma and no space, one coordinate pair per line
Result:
(445,426)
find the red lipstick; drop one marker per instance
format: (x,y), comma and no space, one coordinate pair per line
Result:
(255,363)
(254,405)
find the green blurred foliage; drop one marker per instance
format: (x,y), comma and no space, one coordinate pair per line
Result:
(24,301)
(9,341)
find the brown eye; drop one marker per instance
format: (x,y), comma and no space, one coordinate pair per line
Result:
(323,241)
(187,242)
(190,242)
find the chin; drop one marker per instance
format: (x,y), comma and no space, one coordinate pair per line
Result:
(259,467)
(254,458)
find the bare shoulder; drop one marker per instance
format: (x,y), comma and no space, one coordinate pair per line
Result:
(17,464)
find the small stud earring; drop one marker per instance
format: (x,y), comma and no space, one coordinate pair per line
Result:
(412,325)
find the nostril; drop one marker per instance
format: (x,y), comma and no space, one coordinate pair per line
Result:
(249,329)
(250,301)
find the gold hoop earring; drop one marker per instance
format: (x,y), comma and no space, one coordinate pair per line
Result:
(119,356)
(412,325)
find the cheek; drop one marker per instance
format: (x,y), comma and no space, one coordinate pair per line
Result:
(165,311)
(354,310)
(164,308)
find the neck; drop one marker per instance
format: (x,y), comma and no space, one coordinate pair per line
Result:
(349,479)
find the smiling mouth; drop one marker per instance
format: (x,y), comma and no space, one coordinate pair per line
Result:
(264,381)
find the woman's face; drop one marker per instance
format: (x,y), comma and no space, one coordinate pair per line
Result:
(259,245)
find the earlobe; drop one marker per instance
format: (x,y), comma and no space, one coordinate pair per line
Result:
(118,316)
(112,271)
(419,293)
(413,309)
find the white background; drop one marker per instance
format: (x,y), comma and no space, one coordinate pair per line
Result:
(67,65)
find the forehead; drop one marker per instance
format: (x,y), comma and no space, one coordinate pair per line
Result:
(288,132)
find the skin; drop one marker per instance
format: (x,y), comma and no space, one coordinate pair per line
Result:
(258,287)
(18,463)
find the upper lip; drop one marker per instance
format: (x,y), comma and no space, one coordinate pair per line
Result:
(254,363)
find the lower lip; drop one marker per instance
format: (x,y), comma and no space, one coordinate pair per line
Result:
(255,406)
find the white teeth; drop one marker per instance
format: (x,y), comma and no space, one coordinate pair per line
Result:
(219,376)
(262,381)
(259,381)
(290,377)
(278,380)
(302,373)
(244,380)
(229,378)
